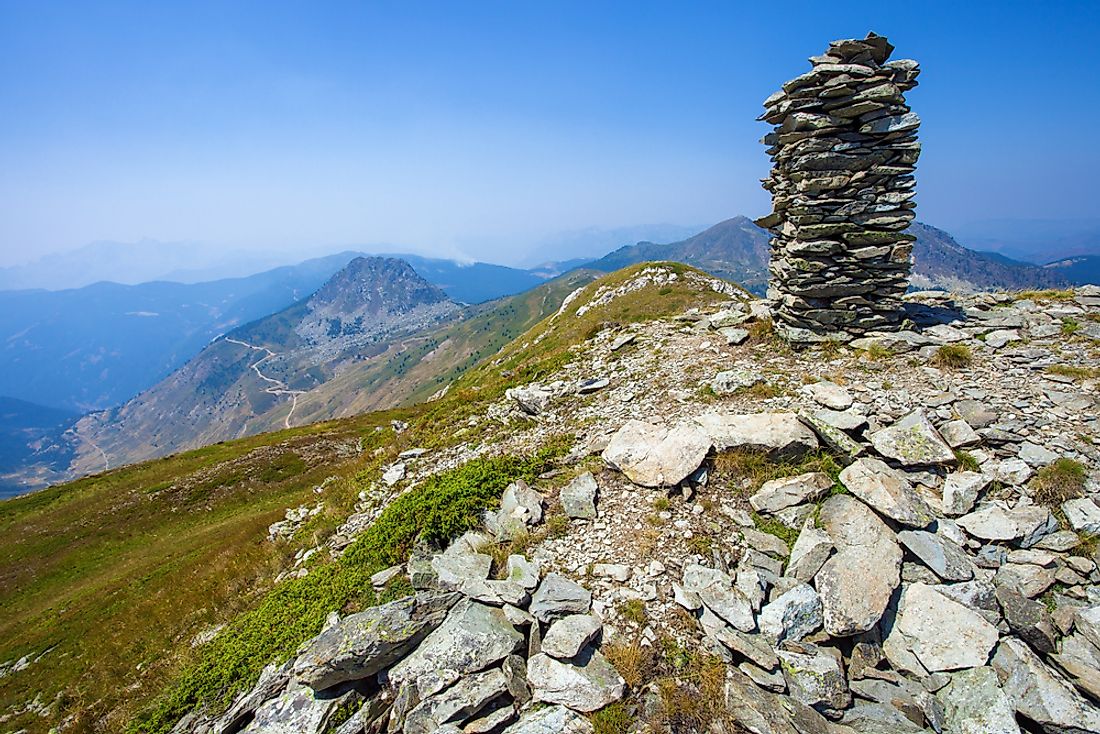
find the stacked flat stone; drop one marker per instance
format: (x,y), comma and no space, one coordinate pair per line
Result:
(843,151)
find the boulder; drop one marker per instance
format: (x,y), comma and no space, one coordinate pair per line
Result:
(856,584)
(551,720)
(829,394)
(652,456)
(298,709)
(810,551)
(578,498)
(946,559)
(717,592)
(779,494)
(912,441)
(586,684)
(781,435)
(457,704)
(887,491)
(794,615)
(1028,619)
(472,638)
(363,644)
(569,635)
(532,399)
(462,561)
(938,631)
(1083,515)
(994,521)
(973,703)
(1038,694)
(814,676)
(557,596)
(961,490)
(520,507)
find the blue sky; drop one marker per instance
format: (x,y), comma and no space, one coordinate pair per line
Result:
(481,128)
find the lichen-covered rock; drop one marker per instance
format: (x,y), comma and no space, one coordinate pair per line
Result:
(973,703)
(578,498)
(1038,694)
(887,491)
(938,632)
(586,683)
(913,441)
(551,720)
(471,638)
(557,596)
(814,676)
(368,642)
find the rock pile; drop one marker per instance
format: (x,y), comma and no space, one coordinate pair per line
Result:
(844,151)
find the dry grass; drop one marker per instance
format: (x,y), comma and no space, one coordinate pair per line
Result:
(1045,295)
(693,690)
(633,661)
(1054,484)
(759,391)
(1077,373)
(952,356)
(758,467)
(633,610)
(876,351)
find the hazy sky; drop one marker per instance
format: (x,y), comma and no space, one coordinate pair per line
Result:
(481,127)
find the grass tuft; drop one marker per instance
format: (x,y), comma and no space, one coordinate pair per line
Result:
(1077,373)
(953,356)
(613,719)
(967,461)
(633,661)
(1054,484)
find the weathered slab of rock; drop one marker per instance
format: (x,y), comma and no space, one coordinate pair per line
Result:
(551,720)
(1029,579)
(717,592)
(779,494)
(457,704)
(777,434)
(1083,515)
(868,558)
(761,712)
(958,433)
(814,676)
(298,710)
(1039,695)
(653,456)
(973,703)
(810,551)
(1028,619)
(366,643)
(994,521)
(961,490)
(520,507)
(946,559)
(794,615)
(586,684)
(522,571)
(887,491)
(729,382)
(532,399)
(913,441)
(939,632)
(829,394)
(569,635)
(462,561)
(835,438)
(578,498)
(558,596)
(471,638)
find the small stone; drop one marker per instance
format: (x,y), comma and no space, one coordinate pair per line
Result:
(779,494)
(1029,580)
(961,490)
(1035,455)
(947,560)
(814,676)
(557,596)
(568,635)
(794,615)
(578,498)
(731,381)
(810,551)
(1083,515)
(958,433)
(829,394)
(1028,619)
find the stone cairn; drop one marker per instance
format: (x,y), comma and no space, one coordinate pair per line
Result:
(843,152)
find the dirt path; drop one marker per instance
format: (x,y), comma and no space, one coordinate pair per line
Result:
(277,387)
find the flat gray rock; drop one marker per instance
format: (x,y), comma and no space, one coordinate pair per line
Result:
(569,635)
(855,585)
(364,644)
(298,710)
(887,491)
(829,394)
(814,676)
(1028,619)
(585,684)
(558,596)
(761,712)
(779,494)
(961,490)
(472,638)
(794,615)
(462,561)
(457,704)
(973,703)
(717,592)
(994,521)
(913,441)
(578,498)
(777,434)
(1040,695)
(958,433)
(939,632)
(1083,515)
(653,456)
(946,559)
(810,551)
(551,720)
(730,381)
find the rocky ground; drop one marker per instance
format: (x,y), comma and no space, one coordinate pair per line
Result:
(897,535)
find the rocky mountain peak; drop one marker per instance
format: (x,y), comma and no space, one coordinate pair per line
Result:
(376,285)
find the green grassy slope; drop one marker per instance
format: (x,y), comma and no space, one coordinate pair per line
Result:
(113,576)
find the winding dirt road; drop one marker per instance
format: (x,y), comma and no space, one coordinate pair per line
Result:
(278,387)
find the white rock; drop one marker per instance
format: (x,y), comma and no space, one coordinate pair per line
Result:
(568,635)
(829,394)
(1083,515)
(778,494)
(652,456)
(587,684)
(887,491)
(912,441)
(809,553)
(941,633)
(779,434)
(961,490)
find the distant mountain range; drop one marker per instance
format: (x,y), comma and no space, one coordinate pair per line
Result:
(379,332)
